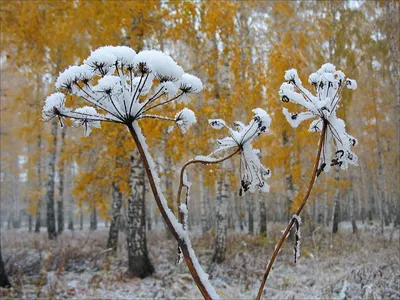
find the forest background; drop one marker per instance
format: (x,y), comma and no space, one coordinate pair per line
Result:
(240,50)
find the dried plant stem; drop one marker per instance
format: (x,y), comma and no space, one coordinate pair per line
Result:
(299,209)
(196,161)
(168,221)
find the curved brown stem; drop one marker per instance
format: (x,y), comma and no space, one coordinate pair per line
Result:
(299,209)
(195,161)
(168,216)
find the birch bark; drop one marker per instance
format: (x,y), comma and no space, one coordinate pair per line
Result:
(51,218)
(139,264)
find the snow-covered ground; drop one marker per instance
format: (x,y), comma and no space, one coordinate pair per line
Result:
(345,266)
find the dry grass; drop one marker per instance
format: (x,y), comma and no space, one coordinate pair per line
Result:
(76,266)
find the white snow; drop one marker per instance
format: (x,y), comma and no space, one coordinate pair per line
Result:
(296,119)
(190,84)
(205,158)
(110,85)
(160,64)
(170,88)
(217,123)
(86,120)
(125,55)
(351,84)
(185,118)
(55,100)
(102,61)
(71,75)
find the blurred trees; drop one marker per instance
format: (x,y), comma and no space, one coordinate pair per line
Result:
(240,50)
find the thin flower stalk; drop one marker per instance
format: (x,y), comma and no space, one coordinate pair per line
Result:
(169,218)
(298,211)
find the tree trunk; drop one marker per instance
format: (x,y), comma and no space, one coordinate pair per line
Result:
(116,216)
(60,202)
(381,180)
(336,212)
(51,218)
(239,212)
(353,219)
(353,214)
(4,282)
(393,20)
(203,211)
(81,220)
(139,264)
(70,220)
(30,223)
(39,183)
(93,219)
(222,221)
(263,217)
(249,200)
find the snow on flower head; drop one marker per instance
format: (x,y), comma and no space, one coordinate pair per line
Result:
(73,74)
(108,85)
(87,121)
(351,84)
(170,88)
(291,75)
(217,123)
(327,68)
(53,104)
(125,55)
(102,61)
(263,119)
(126,86)
(252,173)
(190,84)
(328,83)
(158,63)
(185,118)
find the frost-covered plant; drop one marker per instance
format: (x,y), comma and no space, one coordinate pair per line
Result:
(329,84)
(252,173)
(124,87)
(322,107)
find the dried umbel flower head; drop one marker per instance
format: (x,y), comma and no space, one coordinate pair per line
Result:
(329,84)
(122,87)
(252,173)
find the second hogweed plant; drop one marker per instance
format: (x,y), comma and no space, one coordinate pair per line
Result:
(126,87)
(322,107)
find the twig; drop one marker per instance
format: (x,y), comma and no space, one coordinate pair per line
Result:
(303,203)
(195,161)
(101,253)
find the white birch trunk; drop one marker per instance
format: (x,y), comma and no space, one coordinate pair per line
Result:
(222,221)
(60,202)
(51,219)
(139,264)
(203,208)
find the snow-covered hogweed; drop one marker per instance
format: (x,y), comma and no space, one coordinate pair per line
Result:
(328,83)
(252,173)
(124,86)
